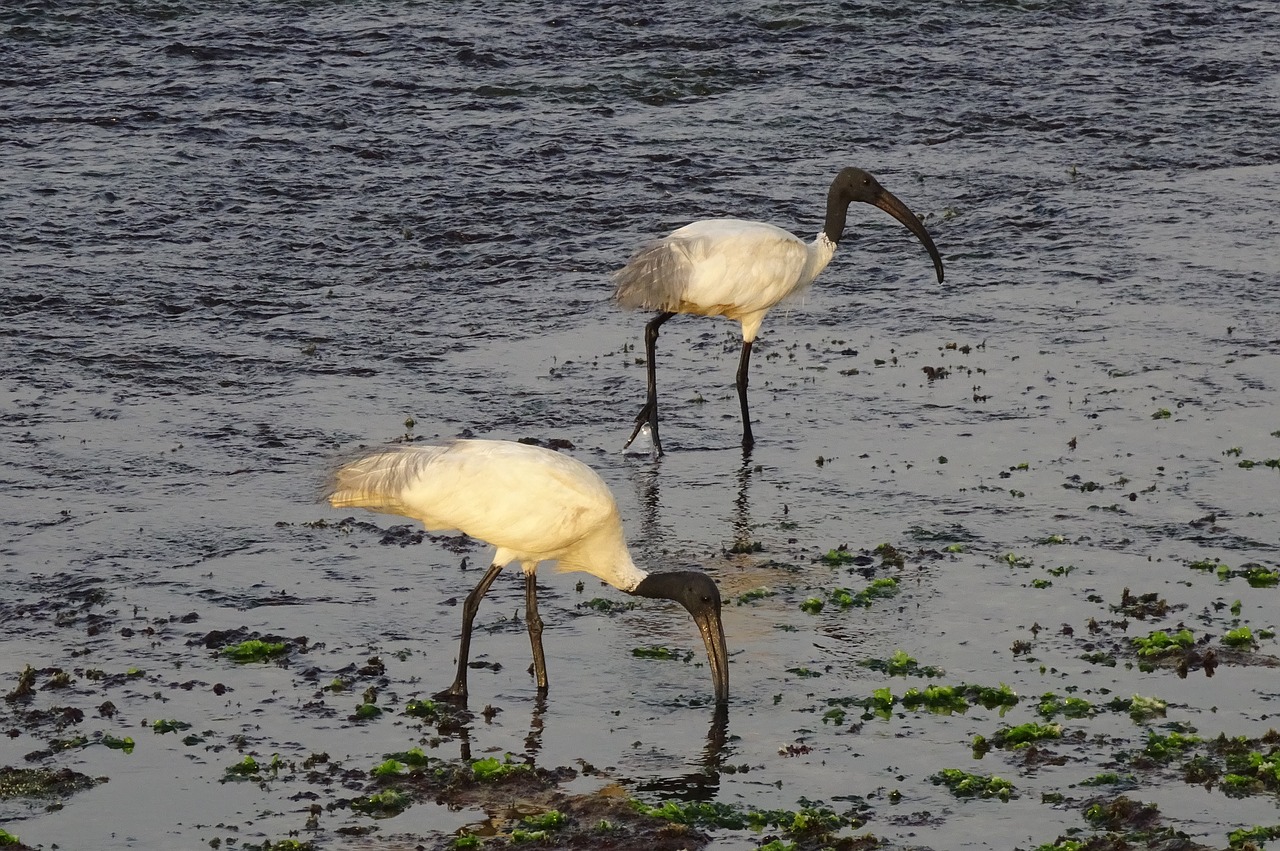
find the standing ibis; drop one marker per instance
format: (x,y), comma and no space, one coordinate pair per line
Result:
(739,270)
(534,505)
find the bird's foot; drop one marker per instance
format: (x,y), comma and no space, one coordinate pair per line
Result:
(642,420)
(646,421)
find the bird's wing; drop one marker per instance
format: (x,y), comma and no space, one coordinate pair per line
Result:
(381,480)
(532,502)
(716,267)
(654,278)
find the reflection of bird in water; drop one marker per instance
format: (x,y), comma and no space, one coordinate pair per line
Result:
(534,505)
(649,497)
(704,783)
(740,270)
(742,540)
(458,722)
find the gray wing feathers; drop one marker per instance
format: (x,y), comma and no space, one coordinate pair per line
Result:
(656,276)
(380,479)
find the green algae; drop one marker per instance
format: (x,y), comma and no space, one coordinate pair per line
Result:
(964,784)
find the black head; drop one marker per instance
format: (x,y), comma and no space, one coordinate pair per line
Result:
(854,184)
(700,596)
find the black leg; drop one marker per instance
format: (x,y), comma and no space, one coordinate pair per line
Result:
(649,413)
(534,623)
(747,440)
(469,608)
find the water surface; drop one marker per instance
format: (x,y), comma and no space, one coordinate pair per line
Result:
(241,239)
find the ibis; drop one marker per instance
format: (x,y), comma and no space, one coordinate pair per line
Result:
(533,505)
(740,270)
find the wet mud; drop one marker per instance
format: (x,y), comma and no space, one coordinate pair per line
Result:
(999,572)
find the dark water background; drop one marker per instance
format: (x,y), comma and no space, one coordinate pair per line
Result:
(240,238)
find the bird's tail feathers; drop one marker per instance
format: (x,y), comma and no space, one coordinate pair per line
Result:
(654,277)
(376,479)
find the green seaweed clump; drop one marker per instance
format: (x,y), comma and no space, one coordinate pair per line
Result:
(885,587)
(418,708)
(254,650)
(696,813)
(1249,771)
(492,770)
(654,653)
(1259,577)
(1146,708)
(941,700)
(414,757)
(991,697)
(1239,785)
(1120,814)
(1163,748)
(963,784)
(1063,844)
(840,556)
(1023,735)
(811,821)
(250,769)
(384,804)
(779,845)
(1052,705)
(902,664)
(538,828)
(1106,778)
(366,711)
(880,704)
(753,595)
(891,556)
(1161,643)
(118,744)
(606,607)
(389,768)
(170,726)
(1200,770)
(1240,637)
(1253,836)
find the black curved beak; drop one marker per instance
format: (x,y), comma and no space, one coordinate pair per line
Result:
(889,202)
(712,629)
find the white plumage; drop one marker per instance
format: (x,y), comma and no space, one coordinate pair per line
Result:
(722,267)
(740,270)
(533,505)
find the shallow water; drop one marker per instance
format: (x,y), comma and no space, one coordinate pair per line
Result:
(241,240)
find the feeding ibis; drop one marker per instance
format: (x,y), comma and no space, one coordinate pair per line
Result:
(740,270)
(534,505)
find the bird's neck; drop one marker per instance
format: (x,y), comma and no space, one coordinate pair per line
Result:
(833,229)
(821,250)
